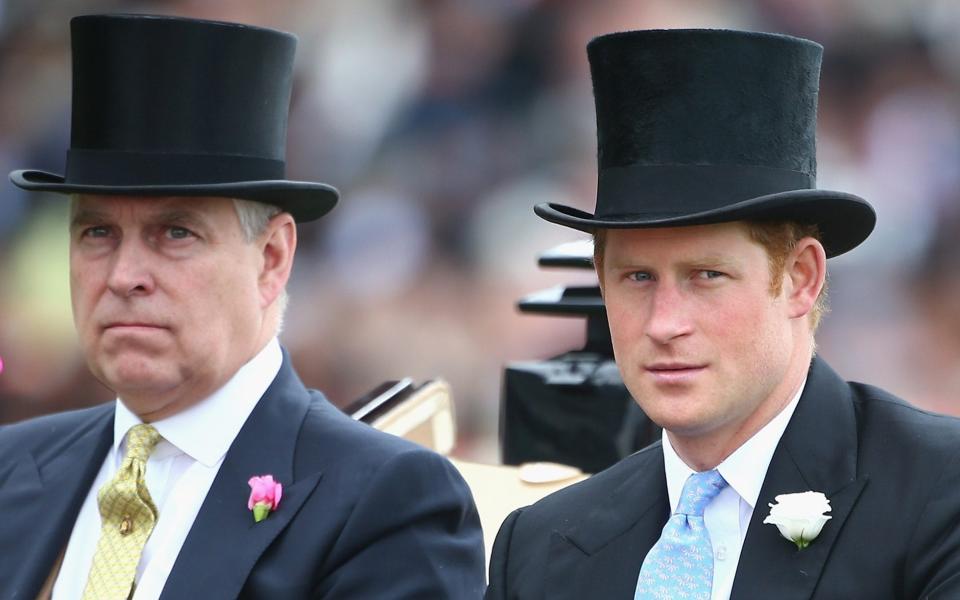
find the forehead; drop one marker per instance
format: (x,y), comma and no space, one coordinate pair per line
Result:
(138,208)
(695,242)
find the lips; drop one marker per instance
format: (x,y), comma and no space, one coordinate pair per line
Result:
(674,372)
(132,326)
(673,366)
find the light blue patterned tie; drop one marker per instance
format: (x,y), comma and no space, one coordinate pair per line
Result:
(680,564)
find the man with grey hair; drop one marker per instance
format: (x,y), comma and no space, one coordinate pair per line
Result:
(216,473)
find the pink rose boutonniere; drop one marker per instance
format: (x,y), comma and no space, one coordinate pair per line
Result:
(264,496)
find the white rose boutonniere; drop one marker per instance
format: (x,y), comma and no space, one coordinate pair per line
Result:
(799,517)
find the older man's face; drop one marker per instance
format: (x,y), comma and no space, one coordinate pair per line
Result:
(165,297)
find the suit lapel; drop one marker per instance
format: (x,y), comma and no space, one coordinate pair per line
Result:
(818,452)
(224,543)
(48,489)
(600,555)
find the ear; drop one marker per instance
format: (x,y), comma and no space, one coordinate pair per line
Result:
(277,245)
(805,274)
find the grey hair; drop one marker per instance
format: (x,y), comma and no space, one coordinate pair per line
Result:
(254,217)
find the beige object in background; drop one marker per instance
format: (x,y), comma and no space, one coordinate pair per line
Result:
(500,489)
(425,415)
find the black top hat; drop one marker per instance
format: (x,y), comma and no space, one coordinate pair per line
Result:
(708,126)
(181,107)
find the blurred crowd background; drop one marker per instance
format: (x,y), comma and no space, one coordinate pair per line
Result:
(443,122)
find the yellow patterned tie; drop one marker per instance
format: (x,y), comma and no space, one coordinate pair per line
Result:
(128,516)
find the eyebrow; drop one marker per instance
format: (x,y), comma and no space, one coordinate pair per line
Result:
(87,216)
(723,262)
(179,216)
(702,262)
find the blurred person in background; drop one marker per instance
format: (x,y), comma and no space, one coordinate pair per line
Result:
(775,478)
(439,117)
(215,472)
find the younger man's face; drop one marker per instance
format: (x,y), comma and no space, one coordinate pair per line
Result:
(702,343)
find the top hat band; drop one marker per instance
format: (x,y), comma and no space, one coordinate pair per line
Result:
(668,190)
(117,168)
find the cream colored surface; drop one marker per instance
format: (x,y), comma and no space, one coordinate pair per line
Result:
(499,489)
(427,418)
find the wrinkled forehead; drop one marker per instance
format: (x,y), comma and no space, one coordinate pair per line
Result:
(147,208)
(147,203)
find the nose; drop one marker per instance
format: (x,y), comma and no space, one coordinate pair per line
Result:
(669,315)
(129,272)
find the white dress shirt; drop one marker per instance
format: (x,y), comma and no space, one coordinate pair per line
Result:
(179,473)
(728,515)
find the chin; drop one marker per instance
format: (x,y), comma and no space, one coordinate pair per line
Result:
(685,421)
(135,378)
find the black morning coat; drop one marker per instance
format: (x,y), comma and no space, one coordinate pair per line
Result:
(890,471)
(363,514)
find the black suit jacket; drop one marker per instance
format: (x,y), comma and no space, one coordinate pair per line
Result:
(891,472)
(363,514)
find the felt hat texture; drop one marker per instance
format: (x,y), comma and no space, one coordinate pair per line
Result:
(169,106)
(708,126)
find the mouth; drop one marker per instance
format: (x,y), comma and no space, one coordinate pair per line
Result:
(673,372)
(132,327)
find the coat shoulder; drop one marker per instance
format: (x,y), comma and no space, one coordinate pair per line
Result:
(351,455)
(47,434)
(327,430)
(910,458)
(571,503)
(381,498)
(902,426)
(588,516)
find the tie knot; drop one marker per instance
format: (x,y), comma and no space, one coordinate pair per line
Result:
(698,491)
(141,440)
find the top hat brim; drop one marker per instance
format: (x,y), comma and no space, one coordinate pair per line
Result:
(844,220)
(305,201)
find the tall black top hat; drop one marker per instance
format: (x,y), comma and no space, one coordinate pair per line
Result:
(707,126)
(181,107)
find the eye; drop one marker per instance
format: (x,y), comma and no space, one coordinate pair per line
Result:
(708,274)
(97,231)
(179,233)
(639,276)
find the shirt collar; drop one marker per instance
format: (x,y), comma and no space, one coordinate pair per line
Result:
(745,469)
(205,430)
